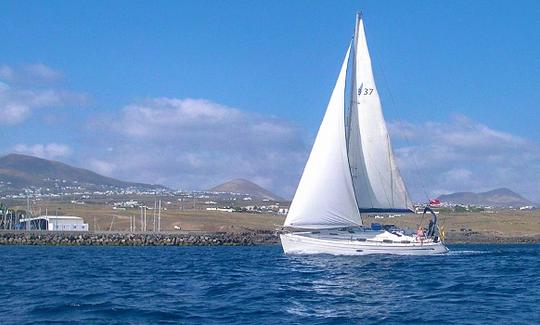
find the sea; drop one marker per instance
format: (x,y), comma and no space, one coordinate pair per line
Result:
(473,284)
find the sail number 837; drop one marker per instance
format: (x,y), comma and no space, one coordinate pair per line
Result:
(365,91)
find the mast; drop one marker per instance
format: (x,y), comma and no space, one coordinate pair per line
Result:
(363,190)
(352,106)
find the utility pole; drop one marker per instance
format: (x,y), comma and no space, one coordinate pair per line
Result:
(154,217)
(145,219)
(141,218)
(27,212)
(159,217)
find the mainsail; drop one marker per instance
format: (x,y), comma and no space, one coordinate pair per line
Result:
(377,181)
(351,168)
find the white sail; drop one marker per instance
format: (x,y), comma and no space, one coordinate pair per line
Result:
(325,196)
(351,170)
(377,181)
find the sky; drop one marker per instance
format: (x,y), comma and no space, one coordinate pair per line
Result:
(193,93)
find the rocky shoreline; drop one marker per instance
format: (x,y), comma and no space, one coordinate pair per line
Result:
(137,239)
(200,238)
(485,238)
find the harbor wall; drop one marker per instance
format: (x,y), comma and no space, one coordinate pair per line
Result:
(136,239)
(256,237)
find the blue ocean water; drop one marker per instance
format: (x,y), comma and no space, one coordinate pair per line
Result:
(473,284)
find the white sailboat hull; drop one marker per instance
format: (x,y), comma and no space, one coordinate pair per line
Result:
(303,243)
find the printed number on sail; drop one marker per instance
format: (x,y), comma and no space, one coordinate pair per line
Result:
(366,91)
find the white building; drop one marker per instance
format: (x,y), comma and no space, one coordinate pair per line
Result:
(221,209)
(55,223)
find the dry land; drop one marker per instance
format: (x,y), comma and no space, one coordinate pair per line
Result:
(101,217)
(500,226)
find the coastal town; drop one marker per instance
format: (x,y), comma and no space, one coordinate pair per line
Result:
(114,214)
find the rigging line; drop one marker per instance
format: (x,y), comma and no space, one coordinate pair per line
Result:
(391,168)
(394,106)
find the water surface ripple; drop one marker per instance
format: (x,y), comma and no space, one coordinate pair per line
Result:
(474,284)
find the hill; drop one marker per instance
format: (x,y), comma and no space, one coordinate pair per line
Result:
(498,197)
(22,171)
(244,186)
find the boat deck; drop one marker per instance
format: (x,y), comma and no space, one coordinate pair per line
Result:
(364,235)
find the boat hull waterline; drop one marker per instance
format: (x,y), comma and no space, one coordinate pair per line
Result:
(299,244)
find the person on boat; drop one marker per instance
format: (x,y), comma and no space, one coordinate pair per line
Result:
(420,234)
(431,229)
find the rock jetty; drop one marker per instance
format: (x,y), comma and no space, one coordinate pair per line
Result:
(137,239)
(469,237)
(256,237)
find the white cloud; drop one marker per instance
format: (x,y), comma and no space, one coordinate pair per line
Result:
(197,143)
(48,151)
(458,175)
(17,101)
(463,155)
(13,113)
(42,71)
(6,72)
(101,167)
(29,73)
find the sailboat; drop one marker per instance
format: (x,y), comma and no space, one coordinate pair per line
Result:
(350,172)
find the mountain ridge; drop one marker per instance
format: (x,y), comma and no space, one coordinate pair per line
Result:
(497,197)
(24,170)
(244,186)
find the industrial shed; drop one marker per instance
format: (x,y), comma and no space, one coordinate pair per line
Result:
(55,223)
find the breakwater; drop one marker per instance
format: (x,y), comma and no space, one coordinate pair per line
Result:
(469,237)
(137,239)
(255,237)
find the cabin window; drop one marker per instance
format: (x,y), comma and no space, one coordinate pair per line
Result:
(333,234)
(361,239)
(405,241)
(315,232)
(388,241)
